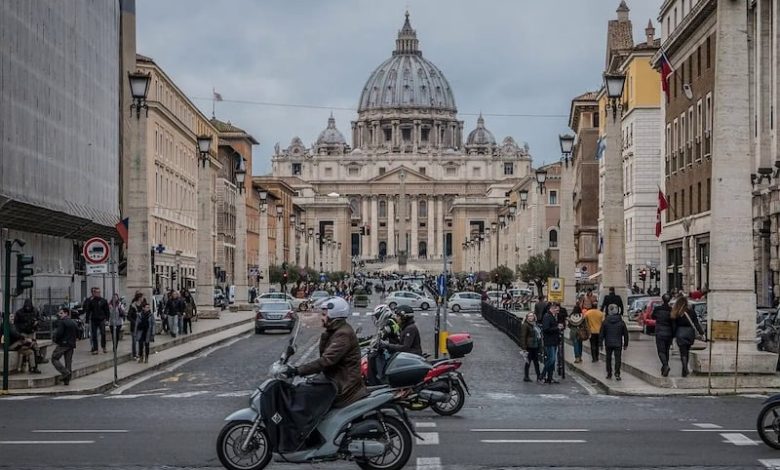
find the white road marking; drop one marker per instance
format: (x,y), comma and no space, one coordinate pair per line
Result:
(449,323)
(500,396)
(584,384)
(81,431)
(185,394)
(529,430)
(242,393)
(428,439)
(427,424)
(20,397)
(754,395)
(428,463)
(534,441)
(355,314)
(553,396)
(466,315)
(738,439)
(44,442)
(718,430)
(774,464)
(368,314)
(707,426)
(425,314)
(75,397)
(131,395)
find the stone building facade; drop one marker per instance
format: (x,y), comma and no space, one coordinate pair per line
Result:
(409,178)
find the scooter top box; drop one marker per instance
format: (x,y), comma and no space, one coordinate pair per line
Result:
(459,344)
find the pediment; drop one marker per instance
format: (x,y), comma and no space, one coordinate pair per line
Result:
(394,176)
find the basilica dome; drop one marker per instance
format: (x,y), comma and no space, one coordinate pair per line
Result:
(407,80)
(331,135)
(481,135)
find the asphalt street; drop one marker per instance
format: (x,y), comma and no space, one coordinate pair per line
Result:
(170,419)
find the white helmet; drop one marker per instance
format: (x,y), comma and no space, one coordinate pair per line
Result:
(336,307)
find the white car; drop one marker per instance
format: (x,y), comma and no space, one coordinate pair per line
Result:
(298,304)
(465,301)
(411,299)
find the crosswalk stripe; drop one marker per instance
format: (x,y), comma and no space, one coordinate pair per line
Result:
(185,394)
(241,393)
(428,438)
(428,463)
(466,315)
(74,397)
(773,464)
(707,426)
(533,441)
(20,397)
(427,424)
(738,439)
(425,314)
(355,314)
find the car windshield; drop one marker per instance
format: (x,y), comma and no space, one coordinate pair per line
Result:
(319,293)
(275,306)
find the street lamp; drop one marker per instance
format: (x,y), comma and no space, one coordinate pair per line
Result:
(311,232)
(513,210)
(204,147)
(567,145)
(502,220)
(263,198)
(139,88)
(523,193)
(614,83)
(279,210)
(240,174)
(541,177)
(292,220)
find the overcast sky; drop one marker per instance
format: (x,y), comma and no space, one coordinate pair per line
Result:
(499,56)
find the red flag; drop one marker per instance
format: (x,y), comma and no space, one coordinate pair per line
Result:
(121,227)
(662,206)
(666,71)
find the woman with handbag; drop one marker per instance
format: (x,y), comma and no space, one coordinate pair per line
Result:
(687,330)
(531,343)
(578,331)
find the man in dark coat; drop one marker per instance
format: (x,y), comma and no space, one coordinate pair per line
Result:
(612,299)
(614,336)
(339,355)
(664,332)
(409,339)
(96,308)
(551,337)
(26,319)
(64,336)
(540,308)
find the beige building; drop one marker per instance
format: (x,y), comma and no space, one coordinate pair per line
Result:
(409,184)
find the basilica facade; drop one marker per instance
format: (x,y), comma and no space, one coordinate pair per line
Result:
(410,185)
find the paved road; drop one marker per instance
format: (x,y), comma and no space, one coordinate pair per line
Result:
(170,420)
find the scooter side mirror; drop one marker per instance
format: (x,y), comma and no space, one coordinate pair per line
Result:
(359,330)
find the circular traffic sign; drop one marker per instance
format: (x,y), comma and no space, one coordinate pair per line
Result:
(96,251)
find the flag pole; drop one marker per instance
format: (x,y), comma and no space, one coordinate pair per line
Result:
(213,103)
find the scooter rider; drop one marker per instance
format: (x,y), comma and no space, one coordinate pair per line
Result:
(410,335)
(392,331)
(339,357)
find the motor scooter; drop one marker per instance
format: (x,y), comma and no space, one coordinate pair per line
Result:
(768,423)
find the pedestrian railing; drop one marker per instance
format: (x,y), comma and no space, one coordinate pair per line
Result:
(503,320)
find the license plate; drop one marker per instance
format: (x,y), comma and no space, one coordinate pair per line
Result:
(274,317)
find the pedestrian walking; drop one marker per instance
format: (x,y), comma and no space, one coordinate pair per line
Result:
(144,331)
(589,301)
(578,332)
(116,319)
(664,332)
(614,337)
(96,308)
(132,317)
(174,309)
(64,336)
(551,339)
(190,311)
(612,299)
(594,317)
(531,343)
(687,329)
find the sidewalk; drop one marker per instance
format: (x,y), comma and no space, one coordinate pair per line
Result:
(95,373)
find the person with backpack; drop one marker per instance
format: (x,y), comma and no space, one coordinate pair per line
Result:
(578,332)
(614,337)
(144,331)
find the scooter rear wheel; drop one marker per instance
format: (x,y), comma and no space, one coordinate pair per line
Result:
(399,448)
(454,403)
(769,425)
(229,442)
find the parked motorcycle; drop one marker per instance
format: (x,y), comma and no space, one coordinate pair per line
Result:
(768,423)
(296,422)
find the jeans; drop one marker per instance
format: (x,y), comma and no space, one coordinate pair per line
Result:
(180,320)
(618,353)
(549,361)
(577,347)
(594,346)
(60,351)
(98,328)
(115,332)
(132,339)
(173,325)
(533,358)
(143,349)
(186,325)
(662,345)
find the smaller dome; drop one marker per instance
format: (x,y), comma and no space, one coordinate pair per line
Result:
(331,135)
(481,135)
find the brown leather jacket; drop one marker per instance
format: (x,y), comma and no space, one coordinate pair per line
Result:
(340,361)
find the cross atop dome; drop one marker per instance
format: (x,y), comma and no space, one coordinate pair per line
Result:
(407,42)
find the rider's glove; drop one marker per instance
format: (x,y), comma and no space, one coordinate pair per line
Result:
(289,372)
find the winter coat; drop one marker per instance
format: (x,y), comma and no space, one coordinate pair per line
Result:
(340,361)
(612,299)
(26,318)
(530,336)
(116,315)
(189,307)
(409,340)
(576,323)
(96,309)
(539,310)
(550,332)
(65,333)
(132,314)
(614,332)
(174,306)
(595,318)
(664,325)
(684,333)
(139,332)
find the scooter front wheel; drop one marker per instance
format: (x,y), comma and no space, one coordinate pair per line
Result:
(233,435)
(769,425)
(398,450)
(454,402)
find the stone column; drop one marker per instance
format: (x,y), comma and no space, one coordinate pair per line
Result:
(139,254)
(374,227)
(613,268)
(566,255)
(239,254)
(291,259)
(731,296)
(311,244)
(318,266)
(440,226)
(430,205)
(262,251)
(364,240)
(391,226)
(415,228)
(204,296)
(279,240)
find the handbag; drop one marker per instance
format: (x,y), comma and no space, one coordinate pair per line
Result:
(699,336)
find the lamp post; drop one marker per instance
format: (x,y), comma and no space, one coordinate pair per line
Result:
(541,178)
(139,252)
(279,235)
(310,249)
(292,245)
(204,295)
(567,144)
(263,255)
(566,253)
(614,259)
(239,254)
(318,251)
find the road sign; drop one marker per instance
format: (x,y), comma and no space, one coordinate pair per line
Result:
(441,282)
(555,289)
(101,268)
(96,251)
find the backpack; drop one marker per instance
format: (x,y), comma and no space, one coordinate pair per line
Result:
(582,332)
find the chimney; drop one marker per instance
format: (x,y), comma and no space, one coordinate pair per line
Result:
(650,32)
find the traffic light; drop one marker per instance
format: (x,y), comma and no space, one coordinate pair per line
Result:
(23,273)
(642,275)
(368,229)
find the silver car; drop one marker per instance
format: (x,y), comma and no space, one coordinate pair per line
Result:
(298,304)
(411,299)
(465,301)
(274,315)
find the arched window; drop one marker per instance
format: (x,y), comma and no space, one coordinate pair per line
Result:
(553,235)
(382,208)
(422,208)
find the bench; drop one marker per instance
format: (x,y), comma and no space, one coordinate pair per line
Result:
(15,359)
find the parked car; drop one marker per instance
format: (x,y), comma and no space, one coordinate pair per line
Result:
(274,315)
(644,319)
(464,301)
(411,299)
(637,306)
(318,295)
(700,309)
(360,298)
(298,304)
